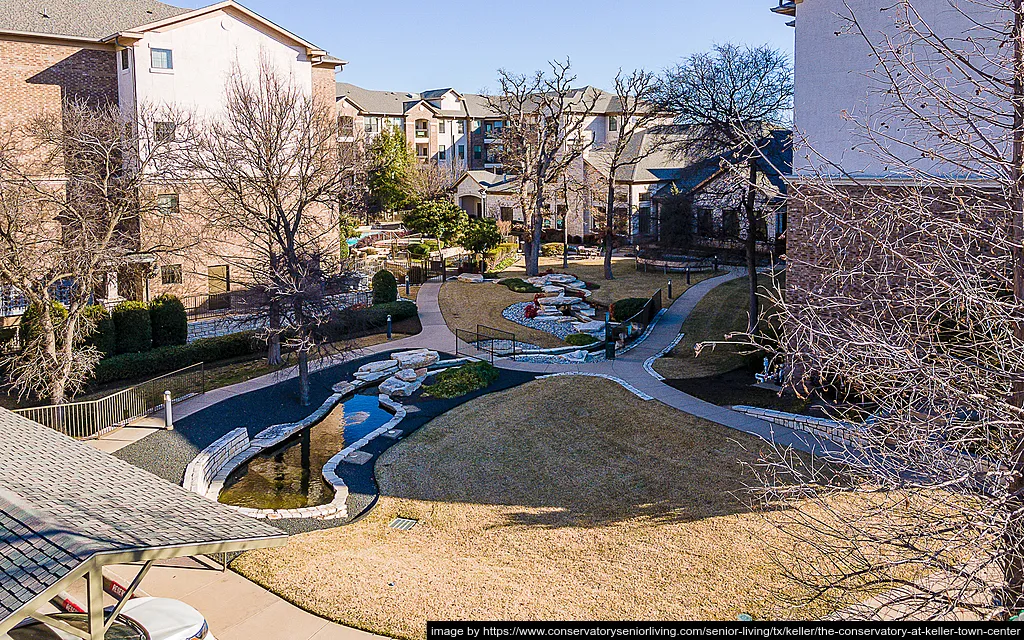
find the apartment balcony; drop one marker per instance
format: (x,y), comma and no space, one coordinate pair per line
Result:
(422,133)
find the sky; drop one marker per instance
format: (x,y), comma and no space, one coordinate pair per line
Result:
(407,45)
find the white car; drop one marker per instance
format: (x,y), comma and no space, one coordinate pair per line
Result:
(140,619)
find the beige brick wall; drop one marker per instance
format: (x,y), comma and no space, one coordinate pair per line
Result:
(36,75)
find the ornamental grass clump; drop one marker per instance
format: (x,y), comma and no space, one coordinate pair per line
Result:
(457,382)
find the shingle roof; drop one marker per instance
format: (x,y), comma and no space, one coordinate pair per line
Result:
(62,502)
(388,103)
(94,19)
(493,182)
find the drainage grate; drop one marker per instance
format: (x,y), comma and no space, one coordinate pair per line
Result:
(403,524)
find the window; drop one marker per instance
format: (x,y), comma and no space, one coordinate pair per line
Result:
(476,125)
(163,131)
(506,214)
(170,274)
(421,150)
(613,123)
(705,223)
(442,152)
(440,126)
(462,127)
(487,127)
(478,152)
(161,59)
(731,223)
(124,58)
(397,122)
(422,128)
(462,152)
(346,125)
(167,204)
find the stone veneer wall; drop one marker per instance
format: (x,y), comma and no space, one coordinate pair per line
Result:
(838,432)
(200,472)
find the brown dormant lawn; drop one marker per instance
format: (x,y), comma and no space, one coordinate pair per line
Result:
(465,305)
(566,498)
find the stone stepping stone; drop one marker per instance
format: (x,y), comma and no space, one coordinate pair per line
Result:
(357,458)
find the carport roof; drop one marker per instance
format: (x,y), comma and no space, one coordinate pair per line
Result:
(65,507)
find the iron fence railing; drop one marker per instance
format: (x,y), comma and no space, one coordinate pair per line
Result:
(92,418)
(486,343)
(635,325)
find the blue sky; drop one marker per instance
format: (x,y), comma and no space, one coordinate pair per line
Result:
(414,45)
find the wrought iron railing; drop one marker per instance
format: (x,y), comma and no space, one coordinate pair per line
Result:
(92,418)
(486,343)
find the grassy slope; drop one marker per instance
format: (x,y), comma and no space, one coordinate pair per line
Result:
(535,506)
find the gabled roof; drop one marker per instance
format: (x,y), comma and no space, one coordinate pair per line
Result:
(434,94)
(65,505)
(776,163)
(655,155)
(107,20)
(388,103)
(491,182)
(88,19)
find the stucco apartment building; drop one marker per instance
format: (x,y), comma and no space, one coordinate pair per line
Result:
(838,100)
(145,52)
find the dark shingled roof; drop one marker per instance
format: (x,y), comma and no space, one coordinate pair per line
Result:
(94,19)
(62,502)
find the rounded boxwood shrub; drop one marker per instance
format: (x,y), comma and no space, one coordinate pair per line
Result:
(580,339)
(132,327)
(385,287)
(551,249)
(29,323)
(626,308)
(169,321)
(103,337)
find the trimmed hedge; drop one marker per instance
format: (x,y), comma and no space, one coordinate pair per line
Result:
(626,308)
(130,366)
(169,321)
(29,319)
(519,285)
(580,339)
(103,337)
(385,287)
(132,327)
(349,321)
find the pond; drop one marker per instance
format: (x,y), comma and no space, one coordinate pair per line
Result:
(289,476)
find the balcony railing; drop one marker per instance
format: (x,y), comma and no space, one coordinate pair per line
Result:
(422,133)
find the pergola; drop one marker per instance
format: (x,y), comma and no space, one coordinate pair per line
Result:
(67,510)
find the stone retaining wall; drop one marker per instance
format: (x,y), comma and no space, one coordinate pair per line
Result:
(200,472)
(845,433)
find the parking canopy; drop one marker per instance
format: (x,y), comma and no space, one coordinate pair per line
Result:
(67,510)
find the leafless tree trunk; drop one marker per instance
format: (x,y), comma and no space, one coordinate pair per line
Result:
(273,173)
(542,136)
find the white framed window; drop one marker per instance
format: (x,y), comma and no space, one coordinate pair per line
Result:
(462,127)
(462,152)
(125,59)
(167,204)
(170,274)
(442,152)
(613,123)
(440,126)
(161,59)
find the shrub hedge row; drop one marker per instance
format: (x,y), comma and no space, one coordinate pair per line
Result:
(626,308)
(129,366)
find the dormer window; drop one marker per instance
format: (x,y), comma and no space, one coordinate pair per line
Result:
(161,59)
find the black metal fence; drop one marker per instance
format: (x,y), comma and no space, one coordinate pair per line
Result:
(635,326)
(486,343)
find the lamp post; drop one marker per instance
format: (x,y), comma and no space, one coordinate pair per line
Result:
(609,344)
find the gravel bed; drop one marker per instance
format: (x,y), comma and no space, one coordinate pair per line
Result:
(517,313)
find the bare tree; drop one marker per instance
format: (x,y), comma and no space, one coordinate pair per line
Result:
(542,136)
(730,98)
(638,96)
(436,179)
(909,306)
(72,203)
(272,175)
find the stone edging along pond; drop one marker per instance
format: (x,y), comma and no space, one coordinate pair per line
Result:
(208,472)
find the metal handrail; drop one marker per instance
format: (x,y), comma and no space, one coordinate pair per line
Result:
(92,418)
